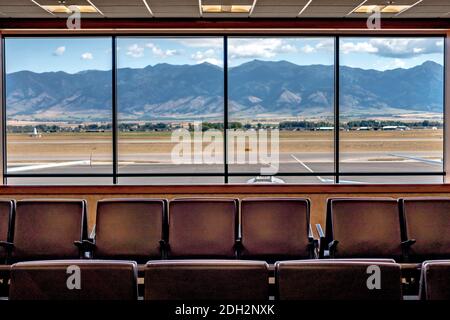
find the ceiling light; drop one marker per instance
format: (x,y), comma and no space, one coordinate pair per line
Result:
(382,8)
(65,9)
(226,8)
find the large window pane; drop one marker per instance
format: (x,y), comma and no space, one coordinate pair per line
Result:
(284,84)
(170,106)
(391,110)
(58,106)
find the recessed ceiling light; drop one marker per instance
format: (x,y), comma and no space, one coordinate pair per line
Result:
(226,8)
(65,9)
(382,8)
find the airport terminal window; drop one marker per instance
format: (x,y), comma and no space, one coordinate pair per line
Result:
(391,108)
(58,107)
(153,110)
(284,84)
(170,108)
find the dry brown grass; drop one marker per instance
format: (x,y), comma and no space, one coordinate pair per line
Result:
(22,146)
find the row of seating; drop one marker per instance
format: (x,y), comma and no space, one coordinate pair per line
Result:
(408,230)
(260,229)
(344,279)
(145,229)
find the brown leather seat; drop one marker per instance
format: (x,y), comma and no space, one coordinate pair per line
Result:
(47,229)
(426,228)
(337,280)
(54,280)
(206,280)
(276,229)
(364,228)
(435,280)
(202,228)
(129,229)
(7,208)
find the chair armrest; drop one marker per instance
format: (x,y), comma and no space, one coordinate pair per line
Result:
(92,235)
(84,245)
(7,245)
(332,246)
(321,240)
(408,243)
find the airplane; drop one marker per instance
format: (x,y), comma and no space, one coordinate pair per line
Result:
(35,134)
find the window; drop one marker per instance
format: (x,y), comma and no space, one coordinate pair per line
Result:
(154,110)
(391,109)
(284,84)
(170,109)
(58,107)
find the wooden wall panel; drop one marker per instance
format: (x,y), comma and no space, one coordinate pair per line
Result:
(318,197)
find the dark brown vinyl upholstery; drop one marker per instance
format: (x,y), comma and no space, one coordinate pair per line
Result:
(100,280)
(129,229)
(336,280)
(202,228)
(47,229)
(365,228)
(274,229)
(427,221)
(435,280)
(6,219)
(206,280)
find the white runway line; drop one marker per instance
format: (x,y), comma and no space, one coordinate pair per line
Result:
(49,165)
(309,169)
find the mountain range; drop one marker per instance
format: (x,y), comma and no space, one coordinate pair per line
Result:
(255,89)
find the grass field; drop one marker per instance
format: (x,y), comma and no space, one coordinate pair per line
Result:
(55,146)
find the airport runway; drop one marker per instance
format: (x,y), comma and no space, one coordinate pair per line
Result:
(305,162)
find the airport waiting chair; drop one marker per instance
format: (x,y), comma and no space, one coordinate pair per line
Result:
(206,280)
(363,228)
(369,279)
(426,228)
(128,229)
(202,228)
(48,229)
(74,280)
(7,209)
(435,280)
(276,229)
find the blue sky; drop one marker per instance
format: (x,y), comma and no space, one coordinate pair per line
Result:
(76,54)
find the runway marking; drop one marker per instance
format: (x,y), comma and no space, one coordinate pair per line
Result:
(49,165)
(309,169)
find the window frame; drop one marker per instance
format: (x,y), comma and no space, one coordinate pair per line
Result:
(115,175)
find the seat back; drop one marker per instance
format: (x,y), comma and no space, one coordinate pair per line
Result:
(47,229)
(366,228)
(74,280)
(202,228)
(338,280)
(427,221)
(206,280)
(129,229)
(435,280)
(6,220)
(275,229)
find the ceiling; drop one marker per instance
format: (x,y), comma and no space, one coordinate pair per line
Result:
(191,8)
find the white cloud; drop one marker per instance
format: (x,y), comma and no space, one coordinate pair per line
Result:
(394,47)
(157,51)
(202,42)
(209,56)
(263,48)
(87,56)
(59,51)
(135,51)
(360,47)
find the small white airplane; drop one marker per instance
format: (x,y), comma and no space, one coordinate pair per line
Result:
(265,179)
(35,134)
